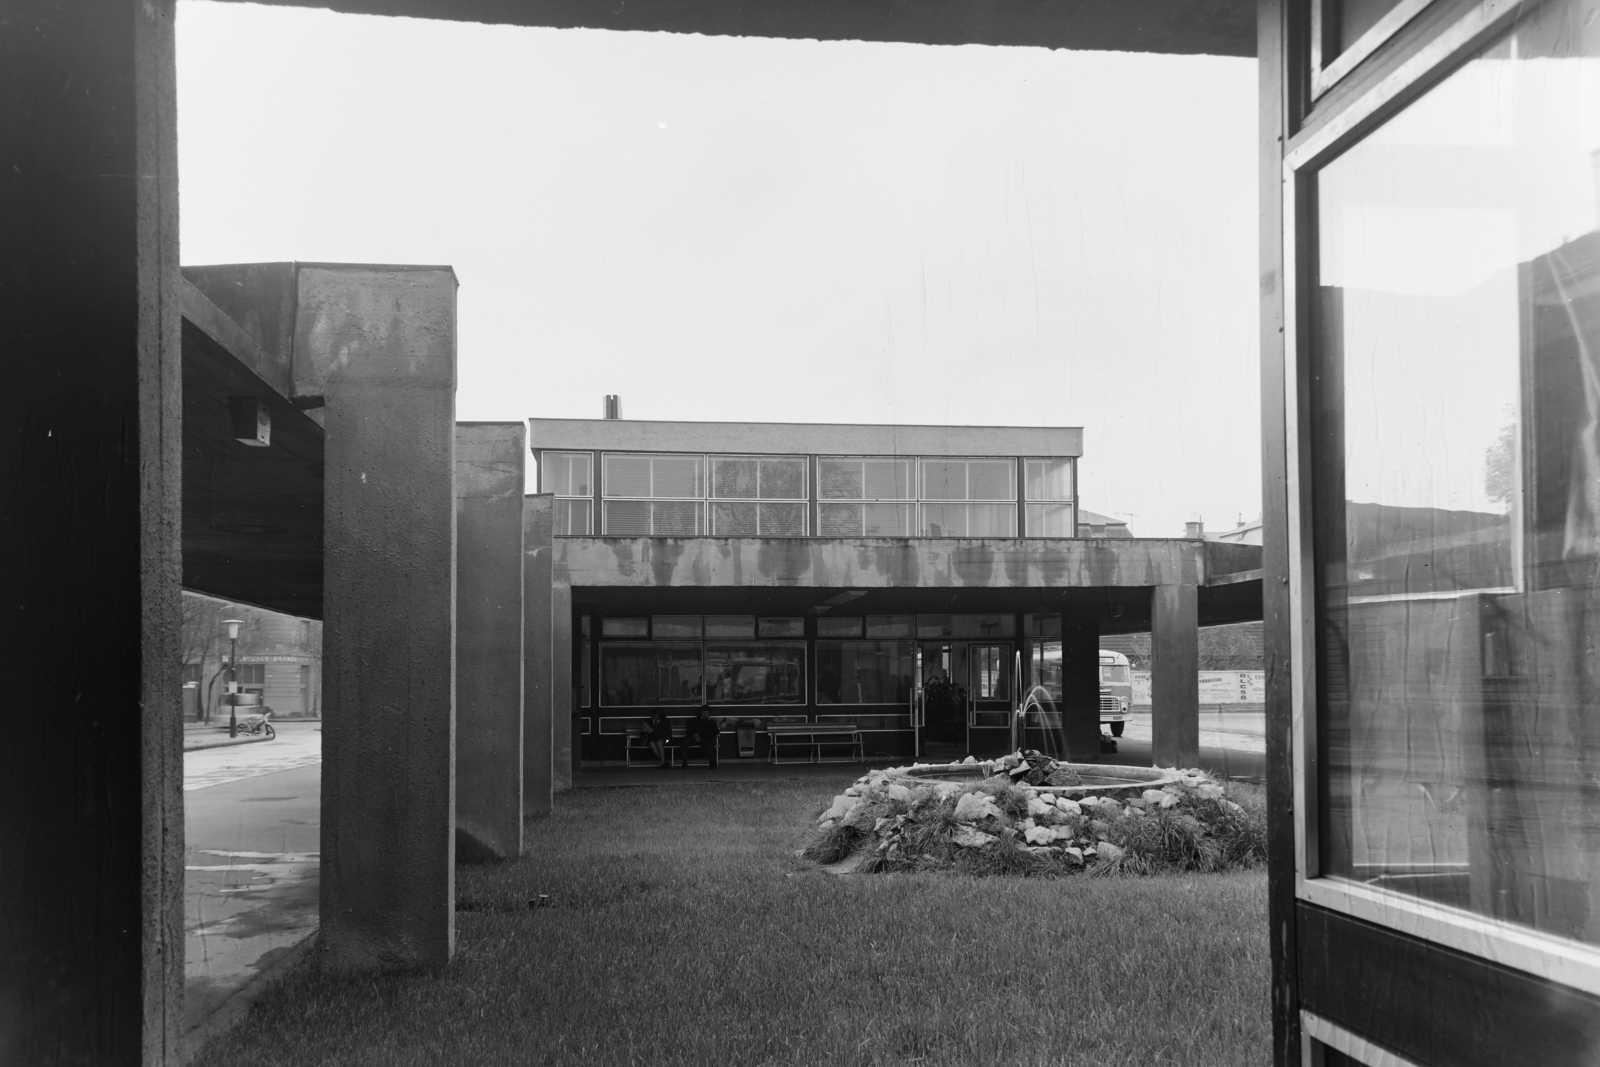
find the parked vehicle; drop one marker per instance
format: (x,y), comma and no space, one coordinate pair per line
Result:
(1116,690)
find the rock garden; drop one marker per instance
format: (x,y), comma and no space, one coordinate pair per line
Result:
(1025,814)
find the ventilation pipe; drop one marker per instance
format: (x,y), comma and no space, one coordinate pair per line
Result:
(613,406)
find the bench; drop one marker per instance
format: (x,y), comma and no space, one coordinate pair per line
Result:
(813,737)
(638,746)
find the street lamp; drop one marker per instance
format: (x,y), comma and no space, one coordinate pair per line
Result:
(233,675)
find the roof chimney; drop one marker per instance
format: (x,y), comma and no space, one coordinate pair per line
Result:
(613,406)
(1195,530)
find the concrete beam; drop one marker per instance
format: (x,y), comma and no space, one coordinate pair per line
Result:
(379,346)
(91,768)
(489,639)
(538,736)
(877,563)
(1175,675)
(802,438)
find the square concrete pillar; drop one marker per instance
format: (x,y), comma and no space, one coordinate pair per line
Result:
(538,737)
(91,766)
(377,344)
(1175,675)
(490,457)
(1080,689)
(567,752)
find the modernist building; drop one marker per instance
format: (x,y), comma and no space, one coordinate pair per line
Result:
(917,581)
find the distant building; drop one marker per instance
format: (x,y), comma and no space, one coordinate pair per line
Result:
(280,659)
(1093,524)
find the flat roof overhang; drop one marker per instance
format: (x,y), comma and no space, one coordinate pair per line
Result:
(1108,579)
(802,438)
(1184,27)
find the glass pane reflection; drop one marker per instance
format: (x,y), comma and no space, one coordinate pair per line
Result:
(1457,488)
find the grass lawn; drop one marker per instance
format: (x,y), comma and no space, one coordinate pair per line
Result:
(682,929)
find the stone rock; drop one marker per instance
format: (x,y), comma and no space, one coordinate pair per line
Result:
(1026,824)
(1069,807)
(1090,801)
(1075,854)
(1109,852)
(843,804)
(1211,790)
(1037,805)
(975,807)
(1152,796)
(967,837)
(970,759)
(900,793)
(1039,835)
(1169,800)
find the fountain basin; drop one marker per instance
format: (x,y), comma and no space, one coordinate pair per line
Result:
(1098,779)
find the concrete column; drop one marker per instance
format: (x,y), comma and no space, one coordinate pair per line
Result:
(91,766)
(378,344)
(537,736)
(567,752)
(1175,675)
(489,639)
(1080,688)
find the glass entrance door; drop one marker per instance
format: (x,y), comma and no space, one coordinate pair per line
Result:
(990,688)
(944,702)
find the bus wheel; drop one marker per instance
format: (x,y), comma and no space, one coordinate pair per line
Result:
(1116,729)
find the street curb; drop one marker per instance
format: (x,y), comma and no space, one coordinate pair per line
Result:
(234,1009)
(225,742)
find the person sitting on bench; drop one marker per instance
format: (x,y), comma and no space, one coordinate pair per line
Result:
(658,731)
(702,731)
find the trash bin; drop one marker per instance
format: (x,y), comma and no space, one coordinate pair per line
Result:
(746,731)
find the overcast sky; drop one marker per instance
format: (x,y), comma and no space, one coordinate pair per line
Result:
(739,228)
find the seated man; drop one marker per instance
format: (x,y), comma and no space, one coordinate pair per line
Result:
(702,731)
(658,731)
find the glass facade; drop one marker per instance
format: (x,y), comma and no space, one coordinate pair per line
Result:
(691,660)
(1456,489)
(670,495)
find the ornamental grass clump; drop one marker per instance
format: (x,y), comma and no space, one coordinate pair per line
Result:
(1003,825)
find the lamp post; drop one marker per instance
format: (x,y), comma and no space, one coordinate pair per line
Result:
(233,675)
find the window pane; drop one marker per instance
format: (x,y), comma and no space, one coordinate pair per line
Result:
(992,479)
(845,478)
(888,479)
(839,520)
(734,477)
(675,626)
(783,478)
(1049,479)
(730,625)
(944,479)
(571,517)
(887,520)
(640,675)
(835,627)
(782,520)
(1044,669)
(865,672)
(585,668)
(762,673)
(891,625)
(1050,520)
(625,627)
(991,672)
(781,627)
(1457,489)
(991,520)
(565,473)
(944,520)
(627,518)
(734,520)
(662,477)
(675,518)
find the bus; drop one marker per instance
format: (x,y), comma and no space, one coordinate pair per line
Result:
(1116,690)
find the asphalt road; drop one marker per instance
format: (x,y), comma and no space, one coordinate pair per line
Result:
(251,860)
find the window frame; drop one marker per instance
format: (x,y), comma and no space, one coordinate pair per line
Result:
(1551,957)
(587,499)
